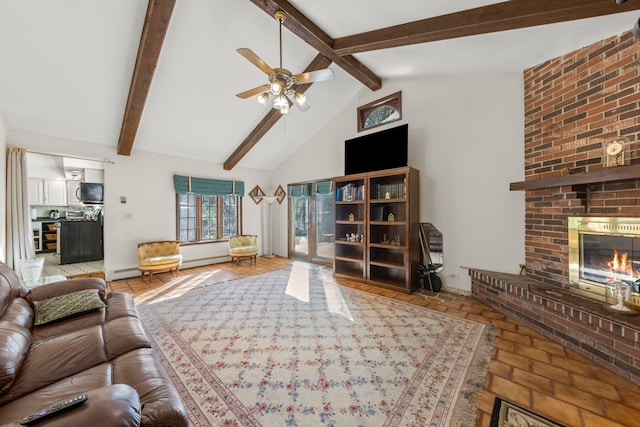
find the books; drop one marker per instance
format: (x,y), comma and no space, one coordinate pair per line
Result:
(350,192)
(389,191)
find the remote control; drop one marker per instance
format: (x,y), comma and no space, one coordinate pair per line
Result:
(54,408)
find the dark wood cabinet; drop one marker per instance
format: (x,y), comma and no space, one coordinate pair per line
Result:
(80,241)
(49,237)
(376,228)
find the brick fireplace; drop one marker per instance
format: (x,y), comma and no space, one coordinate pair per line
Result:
(574,104)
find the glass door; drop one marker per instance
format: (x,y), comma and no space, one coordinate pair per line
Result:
(299,217)
(323,220)
(311,222)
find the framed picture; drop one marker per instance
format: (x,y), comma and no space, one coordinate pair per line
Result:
(280,194)
(257,194)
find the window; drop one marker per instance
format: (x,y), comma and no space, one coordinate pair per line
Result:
(206,218)
(384,110)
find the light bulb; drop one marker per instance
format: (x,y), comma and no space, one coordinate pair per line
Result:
(275,88)
(300,99)
(280,102)
(263,98)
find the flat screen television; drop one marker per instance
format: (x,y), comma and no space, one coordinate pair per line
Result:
(381,150)
(91,192)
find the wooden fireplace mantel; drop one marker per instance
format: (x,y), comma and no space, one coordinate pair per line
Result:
(616,173)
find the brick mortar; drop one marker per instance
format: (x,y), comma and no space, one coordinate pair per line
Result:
(573,104)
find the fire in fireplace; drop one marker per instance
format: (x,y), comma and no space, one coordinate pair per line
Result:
(604,256)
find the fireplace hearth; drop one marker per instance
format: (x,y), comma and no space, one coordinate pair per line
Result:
(604,258)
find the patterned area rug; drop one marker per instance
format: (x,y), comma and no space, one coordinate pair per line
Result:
(295,348)
(52,267)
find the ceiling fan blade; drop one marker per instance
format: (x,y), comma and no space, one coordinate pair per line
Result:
(251,92)
(314,76)
(255,60)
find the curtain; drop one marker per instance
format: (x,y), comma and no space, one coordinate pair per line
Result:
(298,190)
(19,231)
(206,186)
(322,187)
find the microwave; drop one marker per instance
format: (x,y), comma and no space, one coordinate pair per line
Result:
(91,192)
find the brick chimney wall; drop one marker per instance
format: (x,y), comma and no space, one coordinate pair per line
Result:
(573,104)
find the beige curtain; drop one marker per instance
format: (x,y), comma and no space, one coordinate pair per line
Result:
(19,231)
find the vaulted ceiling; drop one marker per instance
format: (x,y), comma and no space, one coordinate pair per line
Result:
(161,75)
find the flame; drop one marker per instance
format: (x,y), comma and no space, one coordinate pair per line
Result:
(620,264)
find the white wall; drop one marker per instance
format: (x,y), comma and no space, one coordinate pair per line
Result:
(146,180)
(466,139)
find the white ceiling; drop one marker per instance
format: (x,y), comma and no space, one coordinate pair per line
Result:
(66,65)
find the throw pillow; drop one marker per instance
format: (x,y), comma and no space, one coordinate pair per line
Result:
(66,305)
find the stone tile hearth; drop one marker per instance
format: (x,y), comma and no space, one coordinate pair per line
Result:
(579,323)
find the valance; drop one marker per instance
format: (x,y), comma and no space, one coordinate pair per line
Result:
(322,187)
(206,186)
(298,190)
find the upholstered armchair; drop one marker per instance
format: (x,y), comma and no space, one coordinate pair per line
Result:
(159,256)
(243,246)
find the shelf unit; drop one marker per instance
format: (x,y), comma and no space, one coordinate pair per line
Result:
(36,227)
(49,235)
(376,228)
(350,214)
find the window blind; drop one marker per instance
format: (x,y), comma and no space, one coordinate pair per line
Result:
(206,186)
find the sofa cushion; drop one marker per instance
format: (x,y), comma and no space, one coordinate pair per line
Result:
(244,250)
(14,343)
(141,369)
(10,287)
(66,305)
(119,304)
(161,260)
(64,287)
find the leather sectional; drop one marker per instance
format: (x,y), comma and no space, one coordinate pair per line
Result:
(104,353)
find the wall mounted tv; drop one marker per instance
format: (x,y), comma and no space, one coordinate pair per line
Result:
(91,192)
(386,149)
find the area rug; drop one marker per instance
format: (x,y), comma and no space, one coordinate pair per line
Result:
(506,414)
(294,348)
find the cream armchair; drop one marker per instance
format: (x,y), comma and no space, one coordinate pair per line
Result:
(243,246)
(159,256)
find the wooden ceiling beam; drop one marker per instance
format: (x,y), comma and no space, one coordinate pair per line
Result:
(509,15)
(305,29)
(271,118)
(155,27)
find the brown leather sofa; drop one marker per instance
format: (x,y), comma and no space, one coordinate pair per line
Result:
(104,353)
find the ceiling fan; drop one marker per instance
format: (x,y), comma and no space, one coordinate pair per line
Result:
(282,83)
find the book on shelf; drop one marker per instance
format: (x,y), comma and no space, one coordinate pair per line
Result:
(389,191)
(350,192)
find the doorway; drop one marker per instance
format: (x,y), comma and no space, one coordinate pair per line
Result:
(311,222)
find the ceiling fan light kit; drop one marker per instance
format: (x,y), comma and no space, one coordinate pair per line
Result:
(282,86)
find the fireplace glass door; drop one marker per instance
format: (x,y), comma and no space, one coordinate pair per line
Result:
(610,258)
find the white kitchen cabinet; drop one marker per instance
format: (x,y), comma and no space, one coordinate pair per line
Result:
(93,175)
(55,193)
(36,195)
(73,193)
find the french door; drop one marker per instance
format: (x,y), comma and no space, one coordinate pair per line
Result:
(311,222)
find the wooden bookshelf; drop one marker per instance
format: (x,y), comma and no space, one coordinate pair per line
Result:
(376,228)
